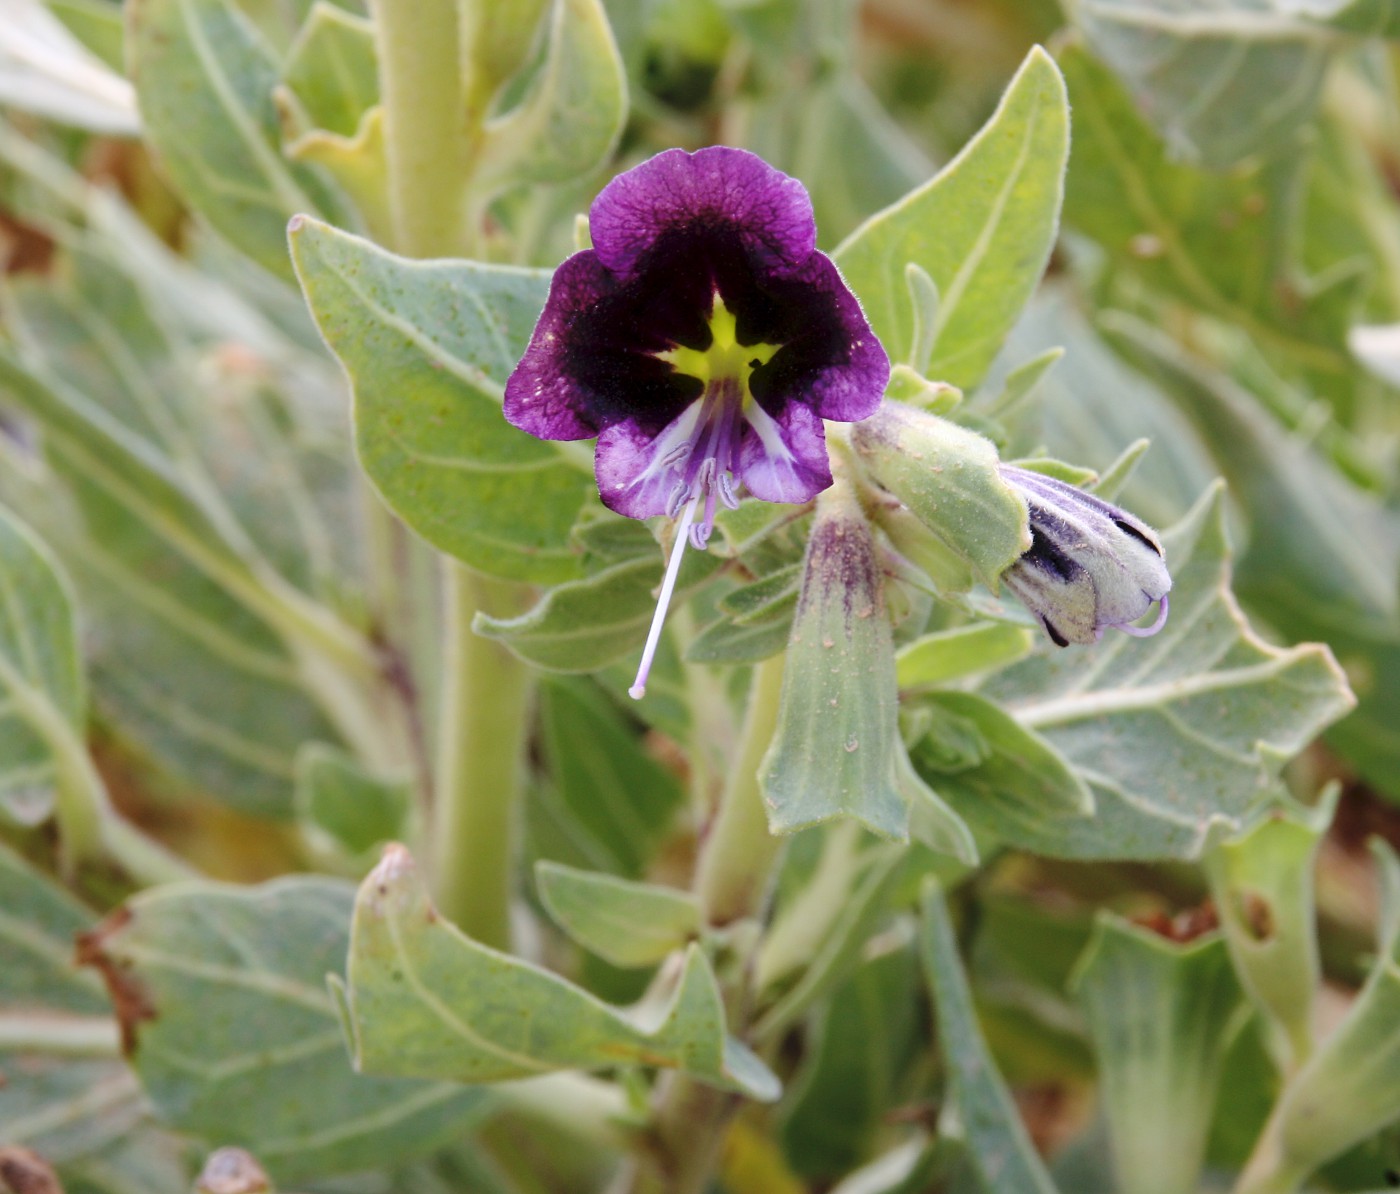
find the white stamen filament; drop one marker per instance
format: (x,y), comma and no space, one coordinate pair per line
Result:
(668,586)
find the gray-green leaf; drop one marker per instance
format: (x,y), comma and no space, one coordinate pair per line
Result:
(332,69)
(574,111)
(946,655)
(66,1094)
(608,803)
(204,82)
(1231,78)
(1262,885)
(1220,242)
(584,625)
(222,990)
(982,230)
(42,695)
(998,1149)
(1350,1087)
(1019,786)
(627,923)
(860,1047)
(1323,553)
(428,347)
(1161,1015)
(1179,731)
(345,811)
(422,998)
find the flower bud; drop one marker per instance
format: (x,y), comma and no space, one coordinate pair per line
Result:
(1090,564)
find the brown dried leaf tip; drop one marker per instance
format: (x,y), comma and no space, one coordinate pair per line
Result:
(1185,926)
(130,1000)
(26,1172)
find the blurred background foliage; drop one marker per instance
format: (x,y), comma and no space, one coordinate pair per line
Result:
(1226,283)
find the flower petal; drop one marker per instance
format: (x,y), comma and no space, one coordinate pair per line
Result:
(543,394)
(783,459)
(1056,588)
(711,189)
(830,361)
(641,474)
(589,363)
(1091,565)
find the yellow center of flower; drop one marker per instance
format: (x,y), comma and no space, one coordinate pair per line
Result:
(700,449)
(726,358)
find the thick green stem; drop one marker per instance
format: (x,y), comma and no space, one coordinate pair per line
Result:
(425,124)
(731,880)
(712,726)
(738,852)
(484,723)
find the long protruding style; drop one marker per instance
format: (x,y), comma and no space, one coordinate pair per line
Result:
(663,602)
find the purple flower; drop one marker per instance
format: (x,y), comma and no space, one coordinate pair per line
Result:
(703,339)
(1090,564)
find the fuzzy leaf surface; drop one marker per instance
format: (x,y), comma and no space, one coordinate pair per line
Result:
(1175,732)
(422,998)
(981,229)
(627,923)
(428,347)
(998,1149)
(204,83)
(221,992)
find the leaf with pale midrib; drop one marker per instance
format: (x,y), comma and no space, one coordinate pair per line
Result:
(1230,78)
(428,347)
(1175,732)
(142,518)
(1000,1153)
(421,997)
(982,229)
(1323,553)
(204,81)
(242,1043)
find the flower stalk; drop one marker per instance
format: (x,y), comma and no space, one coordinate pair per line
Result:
(432,117)
(738,852)
(732,876)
